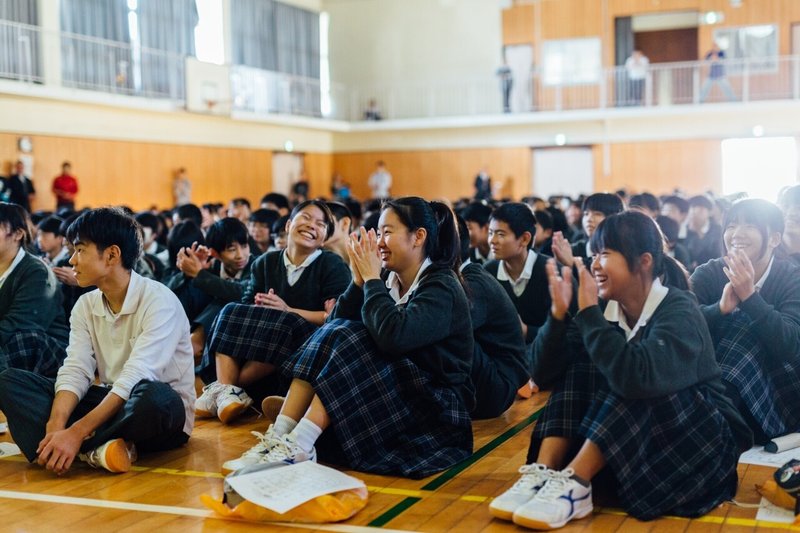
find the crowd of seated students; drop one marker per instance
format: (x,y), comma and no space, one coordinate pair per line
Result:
(385,328)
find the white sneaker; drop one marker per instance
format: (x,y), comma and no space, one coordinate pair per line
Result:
(560,500)
(115,456)
(232,402)
(523,491)
(285,450)
(206,405)
(252,456)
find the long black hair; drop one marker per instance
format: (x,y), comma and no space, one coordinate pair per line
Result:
(632,233)
(16,218)
(437,219)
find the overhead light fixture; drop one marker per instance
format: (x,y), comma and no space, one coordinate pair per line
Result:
(288,146)
(758,131)
(711,17)
(561,139)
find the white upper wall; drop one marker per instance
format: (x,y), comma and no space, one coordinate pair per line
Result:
(389,41)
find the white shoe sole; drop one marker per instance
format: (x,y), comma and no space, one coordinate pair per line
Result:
(537,524)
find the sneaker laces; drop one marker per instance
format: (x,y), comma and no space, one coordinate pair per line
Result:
(556,486)
(265,441)
(214,390)
(532,477)
(283,448)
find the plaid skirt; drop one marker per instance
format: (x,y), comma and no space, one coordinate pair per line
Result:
(254,333)
(34,351)
(670,455)
(388,416)
(769,392)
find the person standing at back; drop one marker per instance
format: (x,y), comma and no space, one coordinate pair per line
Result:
(65,187)
(21,189)
(380,182)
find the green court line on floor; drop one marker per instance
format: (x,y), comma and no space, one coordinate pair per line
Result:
(481,453)
(443,478)
(394,512)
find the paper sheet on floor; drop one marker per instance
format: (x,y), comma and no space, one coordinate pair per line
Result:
(757,456)
(9,448)
(284,488)
(772,513)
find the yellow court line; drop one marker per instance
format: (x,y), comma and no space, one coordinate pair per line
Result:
(173,510)
(411,493)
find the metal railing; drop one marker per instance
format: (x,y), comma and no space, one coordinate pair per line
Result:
(19,52)
(31,55)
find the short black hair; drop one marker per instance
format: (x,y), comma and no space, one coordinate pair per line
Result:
(225,232)
(646,201)
(681,203)
(264,216)
(16,218)
(544,218)
(519,217)
(190,212)
(330,221)
(241,201)
(463,237)
(280,225)
(701,200)
(278,200)
(109,226)
(789,197)
(669,227)
(477,212)
(183,235)
(146,219)
(765,216)
(339,211)
(603,202)
(52,224)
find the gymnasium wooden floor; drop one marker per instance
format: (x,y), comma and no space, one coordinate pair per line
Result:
(162,492)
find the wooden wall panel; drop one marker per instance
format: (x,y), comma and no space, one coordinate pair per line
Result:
(319,169)
(694,166)
(518,24)
(140,174)
(439,173)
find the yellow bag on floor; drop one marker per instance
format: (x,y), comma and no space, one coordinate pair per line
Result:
(333,507)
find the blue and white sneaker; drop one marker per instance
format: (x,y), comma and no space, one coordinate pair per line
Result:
(255,454)
(232,402)
(560,500)
(285,450)
(523,491)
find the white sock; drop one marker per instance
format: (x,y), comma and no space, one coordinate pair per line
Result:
(306,434)
(283,425)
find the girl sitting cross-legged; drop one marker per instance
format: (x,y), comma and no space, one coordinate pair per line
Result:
(290,289)
(751,301)
(636,389)
(387,379)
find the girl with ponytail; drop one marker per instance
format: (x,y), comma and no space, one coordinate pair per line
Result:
(387,377)
(636,391)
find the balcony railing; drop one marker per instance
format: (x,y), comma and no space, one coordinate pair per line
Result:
(30,55)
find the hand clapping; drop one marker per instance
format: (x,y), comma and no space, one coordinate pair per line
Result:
(365,261)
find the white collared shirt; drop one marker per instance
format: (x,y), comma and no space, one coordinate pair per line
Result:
(17,259)
(148,339)
(223,274)
(393,284)
(62,254)
(589,253)
(760,283)
(518,285)
(614,312)
(293,272)
(465,264)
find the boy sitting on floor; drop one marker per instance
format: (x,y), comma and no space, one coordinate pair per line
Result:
(131,331)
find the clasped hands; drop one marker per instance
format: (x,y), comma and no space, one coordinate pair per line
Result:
(561,288)
(741,281)
(365,260)
(191,260)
